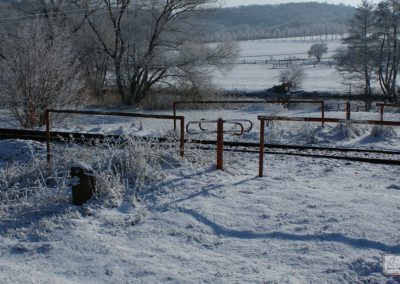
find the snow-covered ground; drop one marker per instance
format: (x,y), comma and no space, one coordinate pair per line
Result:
(247,77)
(307,221)
(283,48)
(250,77)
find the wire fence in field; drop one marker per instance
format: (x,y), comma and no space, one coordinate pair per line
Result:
(284,63)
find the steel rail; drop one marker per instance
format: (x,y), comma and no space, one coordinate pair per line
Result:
(318,156)
(229,145)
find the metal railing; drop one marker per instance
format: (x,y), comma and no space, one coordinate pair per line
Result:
(285,101)
(263,119)
(220,131)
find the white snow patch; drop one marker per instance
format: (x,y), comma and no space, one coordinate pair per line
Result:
(20,151)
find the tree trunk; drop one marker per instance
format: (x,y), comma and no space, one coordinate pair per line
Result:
(120,82)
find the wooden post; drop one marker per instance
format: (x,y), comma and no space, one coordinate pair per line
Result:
(261,161)
(182,138)
(348,111)
(220,144)
(47,117)
(174,113)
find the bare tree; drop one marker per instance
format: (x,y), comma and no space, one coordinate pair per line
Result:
(387,35)
(94,62)
(36,73)
(292,77)
(357,60)
(317,50)
(152,43)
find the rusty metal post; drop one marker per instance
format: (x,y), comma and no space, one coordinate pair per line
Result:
(323,113)
(348,111)
(220,144)
(382,110)
(47,117)
(261,161)
(182,138)
(174,114)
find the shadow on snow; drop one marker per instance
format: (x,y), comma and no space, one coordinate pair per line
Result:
(333,237)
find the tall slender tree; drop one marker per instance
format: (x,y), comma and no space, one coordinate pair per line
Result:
(356,61)
(387,23)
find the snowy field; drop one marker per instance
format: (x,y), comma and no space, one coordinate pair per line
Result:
(252,77)
(162,219)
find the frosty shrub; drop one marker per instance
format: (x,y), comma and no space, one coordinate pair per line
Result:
(307,133)
(383,131)
(292,77)
(37,72)
(342,132)
(122,169)
(30,187)
(293,132)
(275,109)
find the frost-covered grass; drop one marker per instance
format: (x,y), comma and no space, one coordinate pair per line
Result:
(120,170)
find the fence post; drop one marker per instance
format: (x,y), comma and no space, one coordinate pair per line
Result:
(182,138)
(261,161)
(174,113)
(47,117)
(220,144)
(323,113)
(348,111)
(382,110)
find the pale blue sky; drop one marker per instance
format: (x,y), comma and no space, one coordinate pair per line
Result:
(230,3)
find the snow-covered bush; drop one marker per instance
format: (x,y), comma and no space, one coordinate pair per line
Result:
(293,132)
(345,132)
(121,167)
(121,170)
(28,187)
(275,109)
(383,131)
(37,73)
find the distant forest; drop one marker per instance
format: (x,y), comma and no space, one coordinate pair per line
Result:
(308,19)
(277,21)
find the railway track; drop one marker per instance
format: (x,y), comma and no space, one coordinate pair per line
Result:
(357,155)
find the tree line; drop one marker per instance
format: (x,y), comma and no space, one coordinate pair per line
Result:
(54,51)
(372,48)
(307,20)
